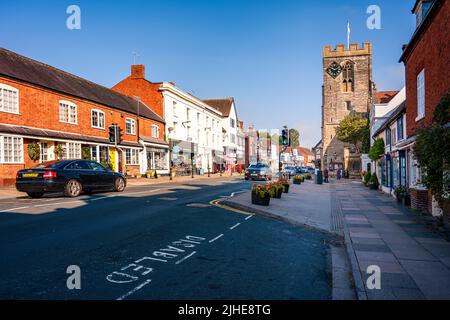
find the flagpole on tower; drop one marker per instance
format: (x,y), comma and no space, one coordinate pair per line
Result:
(348,34)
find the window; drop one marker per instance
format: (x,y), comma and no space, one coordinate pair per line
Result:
(348,77)
(44,152)
(96,166)
(9,99)
(400,134)
(98,119)
(130,126)
(78,165)
(11,149)
(132,156)
(393,136)
(349,105)
(198,118)
(388,137)
(155,131)
(232,123)
(233,138)
(174,109)
(71,150)
(67,112)
(421,95)
(188,115)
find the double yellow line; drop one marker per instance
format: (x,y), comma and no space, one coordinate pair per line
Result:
(217,203)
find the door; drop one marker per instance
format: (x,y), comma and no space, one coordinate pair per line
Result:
(81,170)
(103,177)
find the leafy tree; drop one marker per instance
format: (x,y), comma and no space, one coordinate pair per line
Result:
(376,150)
(354,129)
(295,138)
(432,150)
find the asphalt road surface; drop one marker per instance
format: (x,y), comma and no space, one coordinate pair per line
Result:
(156,242)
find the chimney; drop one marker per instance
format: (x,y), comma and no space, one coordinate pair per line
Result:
(138,71)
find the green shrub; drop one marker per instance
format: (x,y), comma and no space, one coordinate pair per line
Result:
(367,177)
(374,180)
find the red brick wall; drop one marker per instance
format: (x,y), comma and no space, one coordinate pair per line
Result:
(39,108)
(148,92)
(420,200)
(432,53)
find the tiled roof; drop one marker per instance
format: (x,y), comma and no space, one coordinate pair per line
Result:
(386,96)
(16,66)
(223,105)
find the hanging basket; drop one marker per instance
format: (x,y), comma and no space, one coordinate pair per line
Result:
(34,151)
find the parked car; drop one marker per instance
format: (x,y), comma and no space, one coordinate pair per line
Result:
(290,171)
(259,171)
(70,177)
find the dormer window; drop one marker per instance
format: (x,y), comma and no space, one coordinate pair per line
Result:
(422,10)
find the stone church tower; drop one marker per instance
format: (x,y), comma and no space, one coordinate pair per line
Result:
(347,88)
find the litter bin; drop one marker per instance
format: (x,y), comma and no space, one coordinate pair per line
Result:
(319,177)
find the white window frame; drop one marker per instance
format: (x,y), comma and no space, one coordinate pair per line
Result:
(20,160)
(421,95)
(4,87)
(71,110)
(71,151)
(133,158)
(132,124)
(99,112)
(158,132)
(42,153)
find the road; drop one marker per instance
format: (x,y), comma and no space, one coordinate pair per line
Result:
(157,242)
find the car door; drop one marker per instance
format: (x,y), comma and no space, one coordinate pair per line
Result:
(81,171)
(103,177)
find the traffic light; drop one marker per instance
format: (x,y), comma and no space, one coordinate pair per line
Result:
(285,140)
(112,133)
(119,135)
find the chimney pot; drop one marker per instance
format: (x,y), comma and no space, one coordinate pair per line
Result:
(138,71)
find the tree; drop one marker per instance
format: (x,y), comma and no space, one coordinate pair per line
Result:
(295,138)
(432,150)
(377,149)
(354,129)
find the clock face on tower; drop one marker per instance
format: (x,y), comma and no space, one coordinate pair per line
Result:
(334,70)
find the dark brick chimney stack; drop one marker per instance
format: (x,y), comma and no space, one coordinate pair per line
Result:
(138,71)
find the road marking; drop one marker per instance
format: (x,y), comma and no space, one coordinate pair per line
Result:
(235,226)
(55,204)
(216,238)
(101,198)
(14,209)
(249,217)
(185,258)
(126,295)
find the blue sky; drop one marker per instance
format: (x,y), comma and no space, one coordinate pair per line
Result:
(266,53)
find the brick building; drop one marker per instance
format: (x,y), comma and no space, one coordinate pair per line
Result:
(66,117)
(427,60)
(347,88)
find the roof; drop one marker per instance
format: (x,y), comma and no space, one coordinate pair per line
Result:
(434,9)
(385,97)
(401,108)
(223,105)
(18,67)
(305,151)
(52,134)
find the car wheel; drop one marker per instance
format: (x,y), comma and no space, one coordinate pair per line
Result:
(72,189)
(119,185)
(35,195)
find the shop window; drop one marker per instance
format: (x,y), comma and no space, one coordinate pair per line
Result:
(11,149)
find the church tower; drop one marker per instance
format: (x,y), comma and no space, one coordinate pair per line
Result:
(347,88)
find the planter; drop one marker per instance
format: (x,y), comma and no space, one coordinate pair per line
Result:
(286,188)
(407,201)
(277,194)
(399,199)
(373,186)
(260,201)
(297,181)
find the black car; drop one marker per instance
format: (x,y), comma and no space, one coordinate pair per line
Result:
(259,171)
(70,177)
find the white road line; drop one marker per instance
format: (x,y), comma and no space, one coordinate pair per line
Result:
(101,198)
(126,295)
(216,238)
(55,204)
(235,226)
(185,258)
(249,217)
(14,209)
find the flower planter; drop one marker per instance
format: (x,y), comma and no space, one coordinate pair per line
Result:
(407,201)
(260,201)
(277,194)
(286,188)
(373,186)
(297,181)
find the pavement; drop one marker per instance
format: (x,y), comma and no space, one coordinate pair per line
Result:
(158,242)
(414,259)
